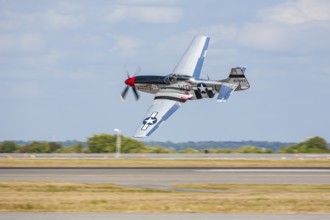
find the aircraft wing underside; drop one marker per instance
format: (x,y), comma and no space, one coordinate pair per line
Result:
(158,113)
(192,60)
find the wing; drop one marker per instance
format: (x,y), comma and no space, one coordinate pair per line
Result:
(192,60)
(158,113)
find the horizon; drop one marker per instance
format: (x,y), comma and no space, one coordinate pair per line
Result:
(173,142)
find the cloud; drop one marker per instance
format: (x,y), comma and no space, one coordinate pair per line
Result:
(297,12)
(28,90)
(301,25)
(223,32)
(264,36)
(25,42)
(50,20)
(145,14)
(24,90)
(126,45)
(294,25)
(59,21)
(259,35)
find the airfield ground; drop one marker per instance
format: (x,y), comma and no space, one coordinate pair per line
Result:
(10,162)
(36,185)
(40,196)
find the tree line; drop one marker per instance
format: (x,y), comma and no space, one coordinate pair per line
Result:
(102,143)
(106,143)
(201,145)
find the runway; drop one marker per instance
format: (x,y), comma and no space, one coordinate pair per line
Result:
(164,178)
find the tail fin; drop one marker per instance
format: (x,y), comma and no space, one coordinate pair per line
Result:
(237,76)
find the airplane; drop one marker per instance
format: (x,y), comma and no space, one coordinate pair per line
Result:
(183,84)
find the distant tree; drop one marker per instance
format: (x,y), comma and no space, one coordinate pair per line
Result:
(102,143)
(129,145)
(53,146)
(189,151)
(35,147)
(159,150)
(78,148)
(106,143)
(268,151)
(38,147)
(312,145)
(222,150)
(317,145)
(8,147)
(23,149)
(253,149)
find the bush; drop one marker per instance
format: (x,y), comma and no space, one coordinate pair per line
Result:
(8,147)
(312,145)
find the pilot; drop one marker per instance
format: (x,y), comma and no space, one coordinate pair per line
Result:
(173,78)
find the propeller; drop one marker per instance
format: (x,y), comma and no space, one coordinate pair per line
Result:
(130,83)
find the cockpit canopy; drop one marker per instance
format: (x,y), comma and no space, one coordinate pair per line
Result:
(175,77)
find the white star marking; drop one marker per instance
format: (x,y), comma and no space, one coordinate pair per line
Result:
(150,121)
(202,88)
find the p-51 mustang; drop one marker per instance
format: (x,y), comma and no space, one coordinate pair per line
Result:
(183,84)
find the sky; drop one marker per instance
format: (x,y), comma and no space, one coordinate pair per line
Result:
(61,67)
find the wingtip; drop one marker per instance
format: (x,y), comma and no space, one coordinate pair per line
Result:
(202,36)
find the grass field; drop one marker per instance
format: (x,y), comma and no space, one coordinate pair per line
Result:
(38,196)
(5,162)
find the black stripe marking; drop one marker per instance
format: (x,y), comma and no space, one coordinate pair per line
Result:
(237,76)
(150,80)
(174,88)
(198,94)
(210,93)
(171,98)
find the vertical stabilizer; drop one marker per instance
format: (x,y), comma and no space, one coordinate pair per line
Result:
(237,76)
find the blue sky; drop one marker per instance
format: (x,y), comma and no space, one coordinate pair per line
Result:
(61,67)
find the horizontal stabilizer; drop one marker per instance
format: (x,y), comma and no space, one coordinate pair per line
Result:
(225,91)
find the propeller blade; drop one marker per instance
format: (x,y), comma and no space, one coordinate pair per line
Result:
(123,94)
(136,94)
(126,70)
(138,70)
